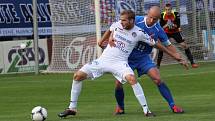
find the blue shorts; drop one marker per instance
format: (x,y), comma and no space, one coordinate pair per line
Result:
(142,64)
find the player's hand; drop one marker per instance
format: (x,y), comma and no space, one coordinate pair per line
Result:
(175,26)
(181,61)
(184,63)
(102,44)
(152,42)
(165,26)
(111,42)
(177,56)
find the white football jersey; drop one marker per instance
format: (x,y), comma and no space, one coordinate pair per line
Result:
(125,41)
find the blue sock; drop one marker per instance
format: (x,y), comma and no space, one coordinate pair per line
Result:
(119,95)
(165,92)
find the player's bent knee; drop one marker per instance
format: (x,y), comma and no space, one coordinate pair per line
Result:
(184,45)
(131,79)
(118,84)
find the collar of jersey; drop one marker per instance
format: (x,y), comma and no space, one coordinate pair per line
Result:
(144,20)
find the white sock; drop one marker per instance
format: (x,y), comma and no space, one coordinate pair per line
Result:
(75,92)
(138,91)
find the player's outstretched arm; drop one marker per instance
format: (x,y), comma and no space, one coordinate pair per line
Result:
(173,49)
(173,54)
(169,52)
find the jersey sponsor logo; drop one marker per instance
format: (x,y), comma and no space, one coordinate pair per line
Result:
(123,38)
(120,45)
(134,34)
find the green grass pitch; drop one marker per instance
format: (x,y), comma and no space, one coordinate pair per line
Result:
(192,89)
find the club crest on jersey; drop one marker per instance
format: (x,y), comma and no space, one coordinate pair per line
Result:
(134,34)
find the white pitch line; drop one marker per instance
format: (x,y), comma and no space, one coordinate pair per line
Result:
(170,75)
(188,74)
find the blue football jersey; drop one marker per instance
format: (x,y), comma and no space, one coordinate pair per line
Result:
(155,31)
(140,57)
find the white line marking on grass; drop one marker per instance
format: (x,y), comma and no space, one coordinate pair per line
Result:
(3,78)
(189,74)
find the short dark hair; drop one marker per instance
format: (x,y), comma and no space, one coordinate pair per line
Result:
(168,5)
(130,13)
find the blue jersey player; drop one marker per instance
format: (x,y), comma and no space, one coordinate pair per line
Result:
(140,59)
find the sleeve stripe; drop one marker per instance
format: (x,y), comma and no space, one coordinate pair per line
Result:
(166,43)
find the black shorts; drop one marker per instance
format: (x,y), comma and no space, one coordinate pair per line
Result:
(177,37)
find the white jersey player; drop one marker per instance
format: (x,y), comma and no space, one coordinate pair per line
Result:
(125,41)
(114,60)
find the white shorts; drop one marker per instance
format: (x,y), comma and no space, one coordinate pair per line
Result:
(98,67)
